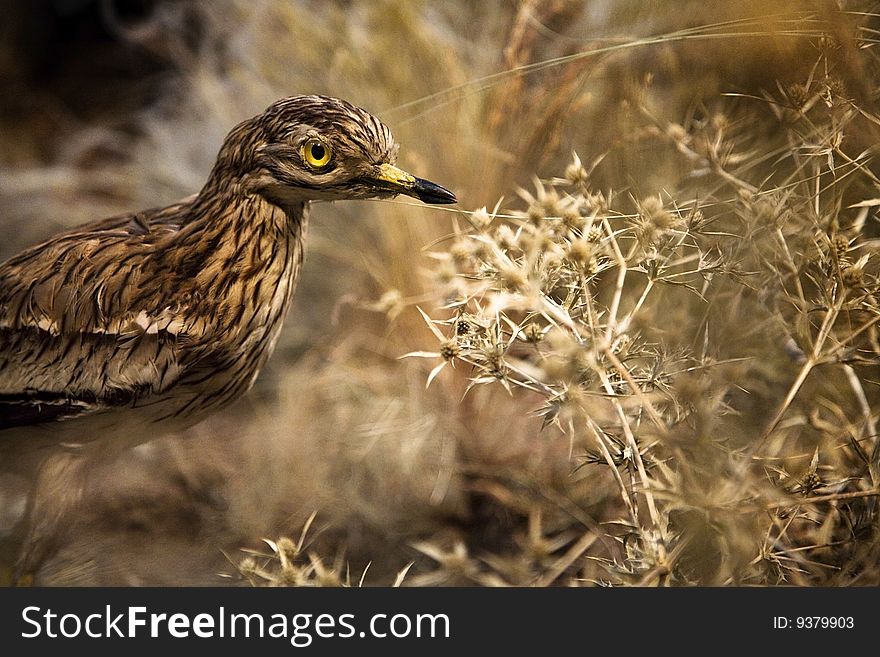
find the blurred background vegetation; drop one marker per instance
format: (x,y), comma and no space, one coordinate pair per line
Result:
(741,130)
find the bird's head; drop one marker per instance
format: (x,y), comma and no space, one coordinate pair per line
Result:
(314,147)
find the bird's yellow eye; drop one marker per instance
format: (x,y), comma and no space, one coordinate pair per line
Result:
(316,153)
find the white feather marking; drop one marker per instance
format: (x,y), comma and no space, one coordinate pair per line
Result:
(47,324)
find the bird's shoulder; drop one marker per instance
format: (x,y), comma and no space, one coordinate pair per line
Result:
(97,277)
(130,229)
(84,325)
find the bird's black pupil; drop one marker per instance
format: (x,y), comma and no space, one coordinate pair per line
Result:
(318,151)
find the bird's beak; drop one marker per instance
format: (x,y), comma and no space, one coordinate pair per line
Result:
(390,178)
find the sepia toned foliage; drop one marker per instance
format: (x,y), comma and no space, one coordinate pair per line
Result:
(642,351)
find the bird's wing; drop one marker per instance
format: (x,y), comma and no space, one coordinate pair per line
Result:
(84,325)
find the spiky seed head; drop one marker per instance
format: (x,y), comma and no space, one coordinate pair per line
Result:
(572,219)
(550,202)
(840,243)
(461,252)
(596,202)
(481,218)
(539,241)
(798,95)
(445,272)
(506,238)
(513,279)
(481,251)
(533,333)
(580,251)
(852,276)
(449,349)
(595,234)
(810,482)
(536,214)
(651,209)
(575,173)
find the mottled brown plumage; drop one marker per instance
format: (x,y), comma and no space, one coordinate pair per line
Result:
(117,330)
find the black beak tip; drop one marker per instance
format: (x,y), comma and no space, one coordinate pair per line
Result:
(428,192)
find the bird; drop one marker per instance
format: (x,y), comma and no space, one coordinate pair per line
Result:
(129,327)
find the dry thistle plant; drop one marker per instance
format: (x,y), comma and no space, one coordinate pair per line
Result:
(290,563)
(718,357)
(693,317)
(551,299)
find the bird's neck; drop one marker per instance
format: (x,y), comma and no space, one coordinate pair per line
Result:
(241,243)
(233,225)
(223,205)
(236,260)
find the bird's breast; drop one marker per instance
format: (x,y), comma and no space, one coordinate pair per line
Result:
(249,300)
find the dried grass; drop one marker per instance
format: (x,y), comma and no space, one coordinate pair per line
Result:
(651,363)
